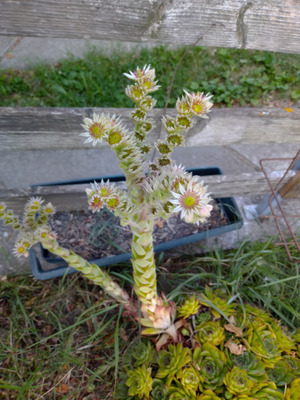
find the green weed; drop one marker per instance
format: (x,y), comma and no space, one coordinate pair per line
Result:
(235,77)
(62,339)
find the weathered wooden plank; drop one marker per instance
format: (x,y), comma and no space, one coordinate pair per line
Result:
(291,189)
(73,197)
(59,128)
(252,24)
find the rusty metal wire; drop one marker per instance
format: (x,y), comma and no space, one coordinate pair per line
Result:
(282,215)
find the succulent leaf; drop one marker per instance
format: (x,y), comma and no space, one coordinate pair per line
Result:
(293,392)
(237,382)
(268,391)
(140,382)
(212,364)
(210,332)
(171,361)
(189,307)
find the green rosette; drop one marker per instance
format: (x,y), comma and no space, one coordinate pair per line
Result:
(217,302)
(294,364)
(268,391)
(296,335)
(237,382)
(189,307)
(170,362)
(189,379)
(159,391)
(208,395)
(281,374)
(142,353)
(179,393)
(249,362)
(255,315)
(140,382)
(263,343)
(293,392)
(210,332)
(212,365)
(203,317)
(285,343)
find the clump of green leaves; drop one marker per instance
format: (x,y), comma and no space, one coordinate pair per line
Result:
(241,352)
(234,76)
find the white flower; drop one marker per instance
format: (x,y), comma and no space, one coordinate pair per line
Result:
(192,202)
(140,74)
(96,203)
(96,128)
(200,104)
(49,209)
(34,204)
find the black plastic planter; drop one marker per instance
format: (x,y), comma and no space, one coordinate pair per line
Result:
(227,205)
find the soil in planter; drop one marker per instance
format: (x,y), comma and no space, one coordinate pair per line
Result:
(99,235)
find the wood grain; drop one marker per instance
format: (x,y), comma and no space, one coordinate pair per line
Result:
(59,128)
(73,197)
(291,189)
(251,24)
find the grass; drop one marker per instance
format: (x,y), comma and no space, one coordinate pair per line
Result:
(235,77)
(62,339)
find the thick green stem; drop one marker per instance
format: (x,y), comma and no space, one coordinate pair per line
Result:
(144,270)
(93,272)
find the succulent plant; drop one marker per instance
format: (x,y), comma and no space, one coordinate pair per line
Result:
(140,382)
(249,362)
(143,353)
(210,332)
(206,366)
(293,392)
(202,317)
(208,395)
(159,391)
(189,307)
(281,374)
(296,335)
(237,382)
(267,391)
(217,302)
(171,361)
(294,364)
(179,393)
(286,344)
(212,365)
(263,342)
(189,378)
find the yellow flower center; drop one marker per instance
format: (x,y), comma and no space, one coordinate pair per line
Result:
(197,108)
(21,249)
(97,200)
(184,121)
(113,202)
(104,191)
(48,210)
(114,138)
(189,201)
(137,93)
(147,84)
(96,130)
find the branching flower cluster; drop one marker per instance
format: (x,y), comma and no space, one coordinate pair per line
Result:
(157,188)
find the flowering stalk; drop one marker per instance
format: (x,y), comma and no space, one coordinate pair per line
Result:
(35,229)
(166,189)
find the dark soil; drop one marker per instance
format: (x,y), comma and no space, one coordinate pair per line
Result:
(99,235)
